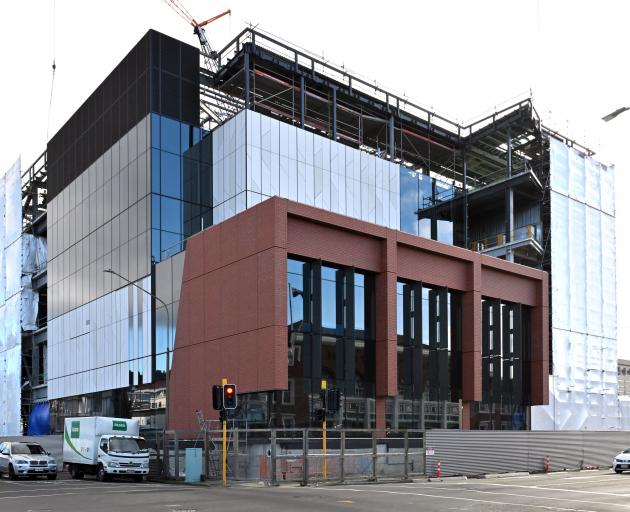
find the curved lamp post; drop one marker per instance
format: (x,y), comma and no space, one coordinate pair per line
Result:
(168,337)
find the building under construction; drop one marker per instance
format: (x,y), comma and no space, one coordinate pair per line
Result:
(273,219)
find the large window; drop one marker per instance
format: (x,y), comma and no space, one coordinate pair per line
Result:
(429,357)
(505,352)
(330,322)
(181,184)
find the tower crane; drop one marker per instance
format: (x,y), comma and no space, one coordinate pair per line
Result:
(209,55)
(219,109)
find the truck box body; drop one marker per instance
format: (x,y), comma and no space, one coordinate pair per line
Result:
(81,436)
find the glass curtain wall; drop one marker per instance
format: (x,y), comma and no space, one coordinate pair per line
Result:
(505,351)
(427,209)
(181,184)
(429,358)
(330,335)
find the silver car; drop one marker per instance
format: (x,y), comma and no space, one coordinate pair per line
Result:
(26,459)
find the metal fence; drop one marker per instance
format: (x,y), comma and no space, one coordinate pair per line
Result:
(480,452)
(293,455)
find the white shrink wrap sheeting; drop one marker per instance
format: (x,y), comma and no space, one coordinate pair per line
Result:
(583,387)
(10,300)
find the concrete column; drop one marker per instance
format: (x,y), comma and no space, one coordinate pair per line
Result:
(540,345)
(471,335)
(386,338)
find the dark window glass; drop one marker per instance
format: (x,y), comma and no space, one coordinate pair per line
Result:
(329,298)
(170,175)
(169,135)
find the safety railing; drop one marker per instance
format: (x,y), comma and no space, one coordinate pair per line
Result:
(528,232)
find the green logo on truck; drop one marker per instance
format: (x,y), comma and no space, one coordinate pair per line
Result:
(75,429)
(120,425)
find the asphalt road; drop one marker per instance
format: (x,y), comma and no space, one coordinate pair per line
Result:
(566,492)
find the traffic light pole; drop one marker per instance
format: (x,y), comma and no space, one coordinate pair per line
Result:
(324,434)
(224,457)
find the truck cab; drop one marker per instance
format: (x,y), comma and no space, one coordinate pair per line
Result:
(122,455)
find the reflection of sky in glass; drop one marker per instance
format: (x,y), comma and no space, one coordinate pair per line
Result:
(359,302)
(408,200)
(295,301)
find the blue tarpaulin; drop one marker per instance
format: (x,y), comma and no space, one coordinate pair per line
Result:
(39,420)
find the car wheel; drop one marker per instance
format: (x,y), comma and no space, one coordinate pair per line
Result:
(52,477)
(12,474)
(618,471)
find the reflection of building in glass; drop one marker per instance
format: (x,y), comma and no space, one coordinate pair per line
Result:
(327,229)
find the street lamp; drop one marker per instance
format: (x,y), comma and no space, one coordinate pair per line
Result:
(614,114)
(168,337)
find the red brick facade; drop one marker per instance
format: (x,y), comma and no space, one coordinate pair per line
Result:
(232,318)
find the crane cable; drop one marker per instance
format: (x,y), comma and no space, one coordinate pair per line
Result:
(54,67)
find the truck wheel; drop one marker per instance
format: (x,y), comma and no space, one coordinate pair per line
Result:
(12,475)
(75,472)
(101,475)
(137,478)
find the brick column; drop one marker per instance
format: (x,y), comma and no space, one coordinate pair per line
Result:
(386,356)
(471,340)
(540,345)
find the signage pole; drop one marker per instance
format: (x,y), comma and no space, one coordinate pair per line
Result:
(324,433)
(224,457)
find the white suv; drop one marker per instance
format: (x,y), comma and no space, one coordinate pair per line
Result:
(26,459)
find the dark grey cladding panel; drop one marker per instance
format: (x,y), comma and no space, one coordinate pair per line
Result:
(160,74)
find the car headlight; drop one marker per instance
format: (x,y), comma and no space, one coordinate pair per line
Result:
(20,461)
(113,464)
(145,465)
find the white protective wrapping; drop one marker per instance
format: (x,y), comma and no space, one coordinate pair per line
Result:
(583,387)
(21,255)
(10,284)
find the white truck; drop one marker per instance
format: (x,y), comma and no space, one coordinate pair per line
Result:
(104,447)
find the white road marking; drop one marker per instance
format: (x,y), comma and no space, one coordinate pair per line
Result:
(549,498)
(546,488)
(101,486)
(133,490)
(492,502)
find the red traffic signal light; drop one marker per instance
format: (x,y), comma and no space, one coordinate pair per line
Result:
(229,396)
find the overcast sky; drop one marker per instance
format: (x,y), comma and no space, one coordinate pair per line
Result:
(461,58)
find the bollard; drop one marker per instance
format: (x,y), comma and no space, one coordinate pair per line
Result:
(439,470)
(546,464)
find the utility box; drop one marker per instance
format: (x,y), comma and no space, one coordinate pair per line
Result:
(193,464)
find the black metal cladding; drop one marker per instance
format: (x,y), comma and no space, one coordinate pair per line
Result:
(160,74)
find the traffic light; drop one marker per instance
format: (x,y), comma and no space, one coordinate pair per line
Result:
(229,396)
(333,401)
(217,397)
